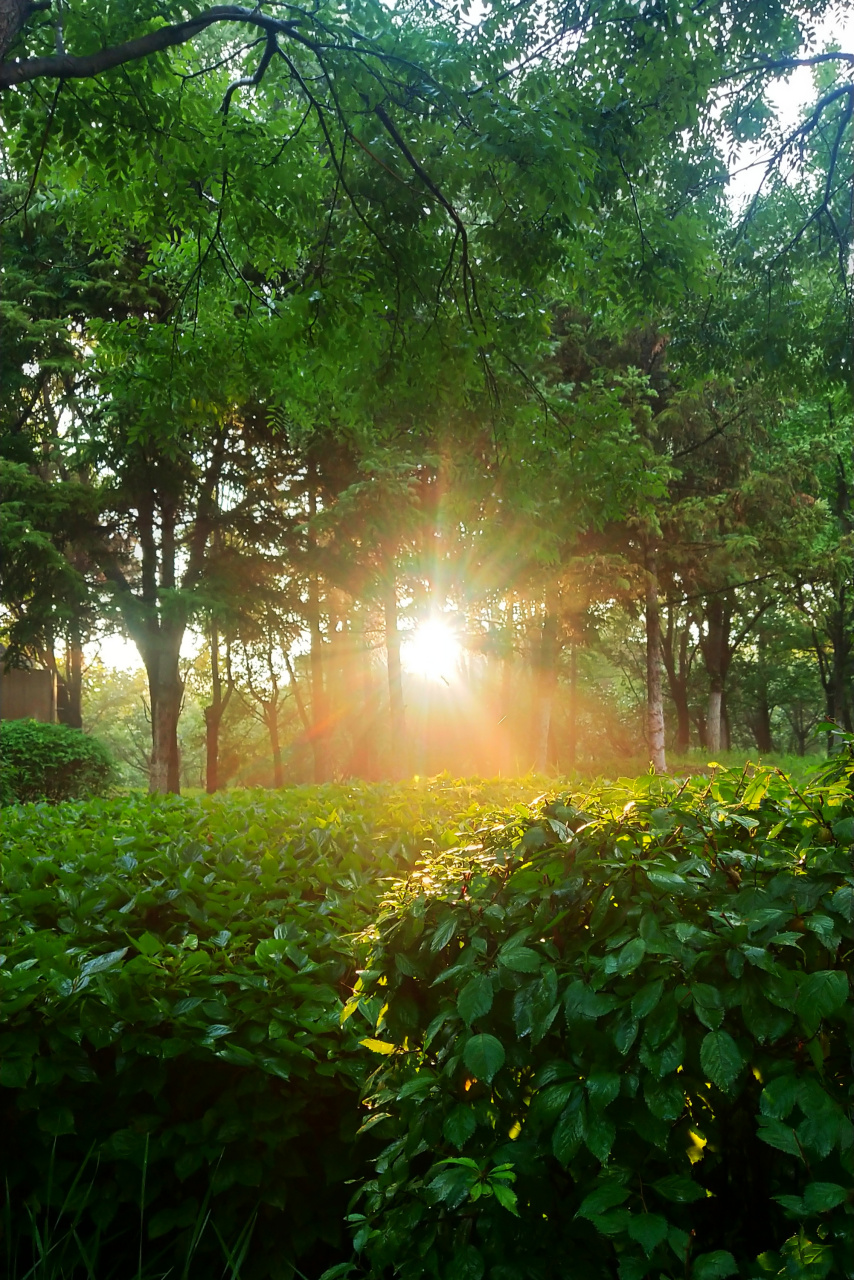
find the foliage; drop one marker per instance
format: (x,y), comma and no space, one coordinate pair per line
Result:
(619,1030)
(172,978)
(50,762)
(185,1040)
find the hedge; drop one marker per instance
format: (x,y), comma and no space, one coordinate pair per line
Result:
(170,990)
(603,1035)
(616,1040)
(50,762)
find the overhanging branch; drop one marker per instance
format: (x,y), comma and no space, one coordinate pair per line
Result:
(86,66)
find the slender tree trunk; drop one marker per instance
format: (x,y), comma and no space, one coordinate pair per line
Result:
(714,654)
(366,718)
(398,756)
(298,698)
(319,713)
(801,736)
(74,681)
(713,716)
(677,666)
(726,725)
(545,679)
(215,712)
(271,715)
(841,668)
(211,750)
(679,693)
(572,746)
(507,762)
(319,716)
(654,702)
(762,724)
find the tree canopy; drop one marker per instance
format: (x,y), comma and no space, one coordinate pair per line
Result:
(318,320)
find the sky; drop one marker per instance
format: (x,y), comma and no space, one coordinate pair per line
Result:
(788,96)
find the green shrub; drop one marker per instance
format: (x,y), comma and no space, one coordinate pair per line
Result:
(173,975)
(50,762)
(617,1041)
(184,1040)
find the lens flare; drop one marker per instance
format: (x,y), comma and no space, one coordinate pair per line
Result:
(432,652)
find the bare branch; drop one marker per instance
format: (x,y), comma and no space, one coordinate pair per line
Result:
(247,81)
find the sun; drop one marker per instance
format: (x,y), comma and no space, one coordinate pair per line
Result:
(432,652)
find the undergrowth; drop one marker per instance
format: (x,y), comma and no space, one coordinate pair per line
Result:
(224,1018)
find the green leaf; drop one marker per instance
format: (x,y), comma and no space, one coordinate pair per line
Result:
(844,830)
(603,1087)
(600,1135)
(506,1197)
(570,1130)
(625,1033)
(459,1125)
(446,927)
(466,1264)
(665,1098)
(15,1072)
(779,1096)
(519,958)
(100,964)
(484,1057)
(217,1030)
(632,1266)
(475,999)
(581,1001)
(793,1205)
(606,1196)
(822,1128)
(648,1230)
(778,1135)
(821,1196)
(647,998)
(627,959)
(714,1266)
(822,993)
(720,1058)
(678,1189)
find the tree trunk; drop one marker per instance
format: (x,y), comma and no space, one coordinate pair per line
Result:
(212,722)
(545,678)
(679,693)
(762,724)
(74,682)
(654,703)
(677,665)
(14,15)
(506,741)
(841,672)
(271,715)
(215,712)
(713,716)
(572,719)
(166,689)
(715,656)
(319,729)
(398,754)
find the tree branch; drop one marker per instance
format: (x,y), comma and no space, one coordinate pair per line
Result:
(86,66)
